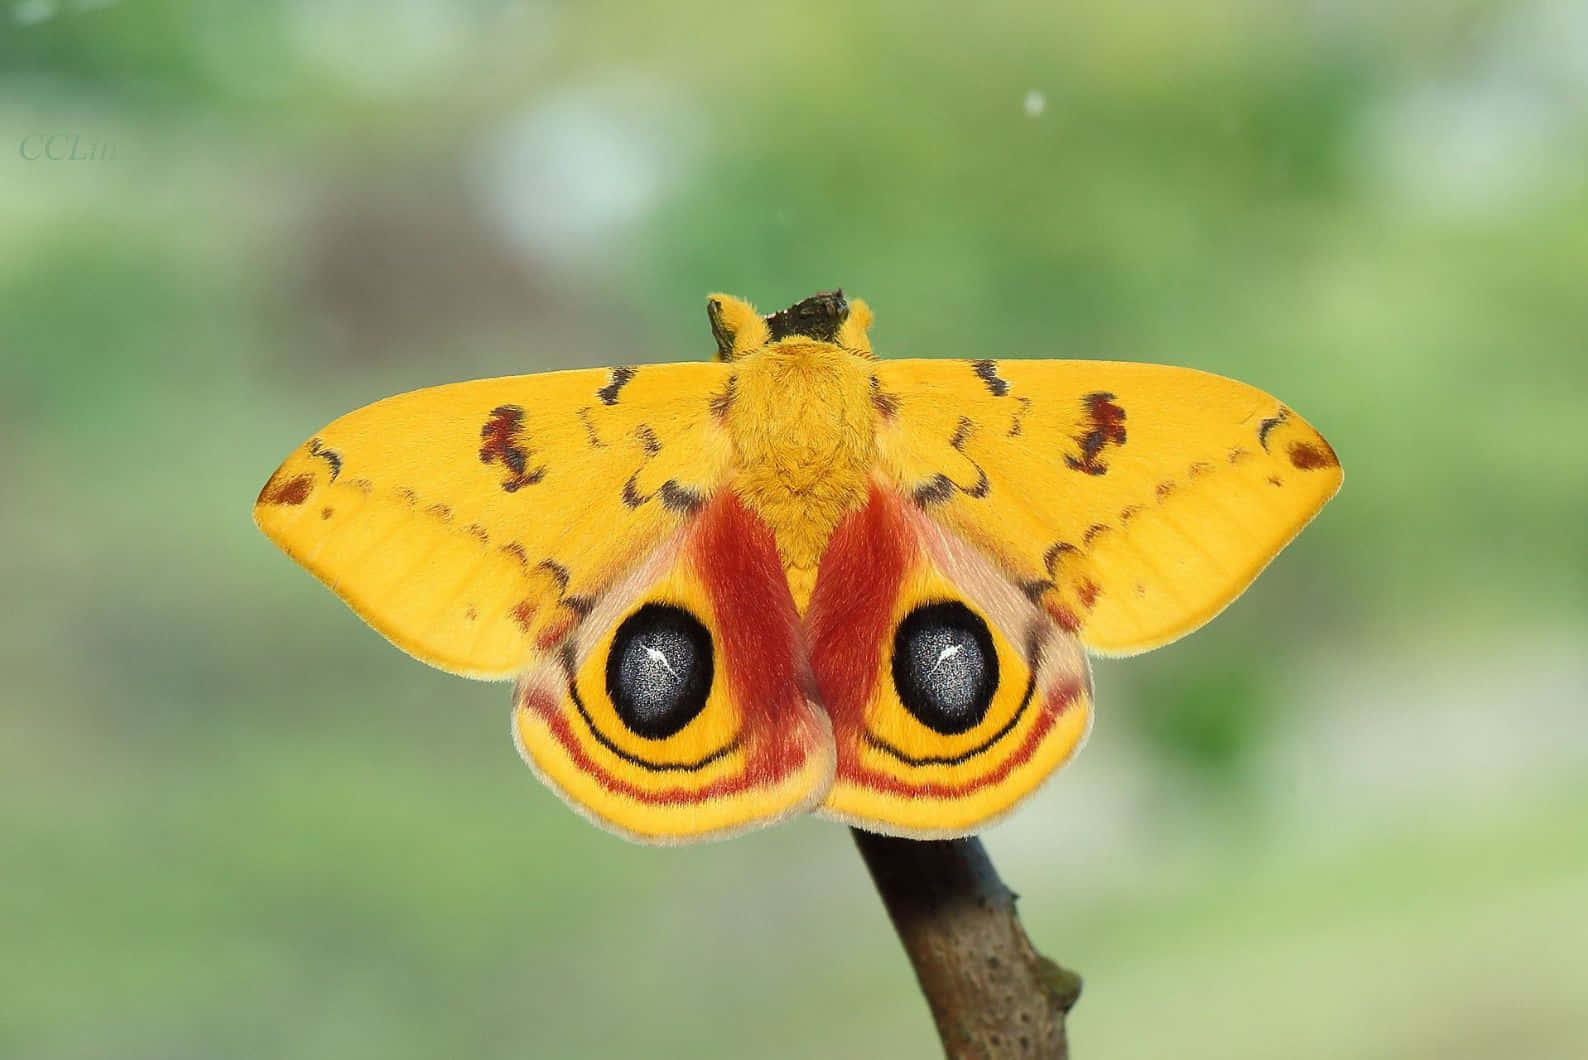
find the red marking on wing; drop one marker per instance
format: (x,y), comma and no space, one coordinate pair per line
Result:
(1057,701)
(1087,592)
(292,492)
(522,612)
(1104,426)
(758,627)
(851,608)
(545,705)
(1064,617)
(553,634)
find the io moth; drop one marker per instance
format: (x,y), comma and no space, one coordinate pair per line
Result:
(795,577)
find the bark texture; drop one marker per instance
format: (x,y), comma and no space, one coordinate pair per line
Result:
(991,993)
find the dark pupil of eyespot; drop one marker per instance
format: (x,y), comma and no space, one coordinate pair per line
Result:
(659,670)
(945,667)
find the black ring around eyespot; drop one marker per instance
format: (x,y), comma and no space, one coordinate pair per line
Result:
(945,666)
(659,670)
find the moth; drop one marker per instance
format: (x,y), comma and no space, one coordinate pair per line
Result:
(795,577)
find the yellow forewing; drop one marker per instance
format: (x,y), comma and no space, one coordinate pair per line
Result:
(473,522)
(1132,501)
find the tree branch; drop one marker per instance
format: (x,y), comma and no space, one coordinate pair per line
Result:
(991,993)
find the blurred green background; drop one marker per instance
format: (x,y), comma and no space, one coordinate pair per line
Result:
(1345,820)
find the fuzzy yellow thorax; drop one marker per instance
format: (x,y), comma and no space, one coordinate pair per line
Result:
(801,423)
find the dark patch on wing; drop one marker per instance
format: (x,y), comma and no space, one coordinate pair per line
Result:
(1092,532)
(1050,558)
(514,549)
(680,498)
(935,490)
(440,511)
(292,492)
(590,434)
(721,403)
(523,613)
(962,435)
(1017,421)
(620,378)
(987,372)
(1087,592)
(330,456)
(326,513)
(1304,456)
(1104,426)
(1269,424)
(1035,589)
(558,572)
(940,487)
(502,441)
(478,531)
(674,497)
(886,404)
(648,439)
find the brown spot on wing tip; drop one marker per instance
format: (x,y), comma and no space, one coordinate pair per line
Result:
(1305,456)
(292,492)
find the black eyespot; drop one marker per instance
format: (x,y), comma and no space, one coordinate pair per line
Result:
(659,670)
(945,666)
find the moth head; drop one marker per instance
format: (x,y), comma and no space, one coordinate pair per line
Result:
(824,317)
